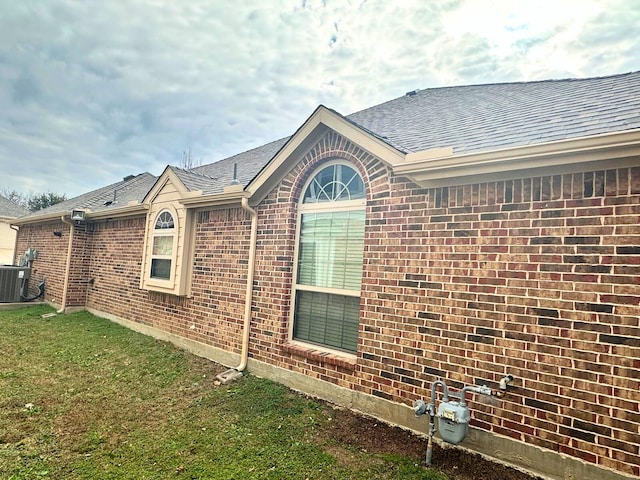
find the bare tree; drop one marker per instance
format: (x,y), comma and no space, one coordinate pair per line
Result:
(15,196)
(188,162)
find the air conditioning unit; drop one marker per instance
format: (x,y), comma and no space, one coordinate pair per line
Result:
(11,278)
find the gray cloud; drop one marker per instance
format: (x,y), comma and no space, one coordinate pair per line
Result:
(93,92)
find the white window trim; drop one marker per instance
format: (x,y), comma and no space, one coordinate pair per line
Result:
(161,282)
(334,206)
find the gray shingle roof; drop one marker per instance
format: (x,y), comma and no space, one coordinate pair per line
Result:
(193,181)
(131,189)
(488,117)
(477,118)
(249,165)
(8,209)
(470,118)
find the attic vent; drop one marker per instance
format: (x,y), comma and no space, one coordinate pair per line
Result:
(235,180)
(108,202)
(412,92)
(129,177)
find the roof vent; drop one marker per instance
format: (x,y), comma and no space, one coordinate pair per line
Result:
(235,180)
(412,92)
(129,177)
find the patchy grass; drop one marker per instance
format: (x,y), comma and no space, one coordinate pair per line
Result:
(82,397)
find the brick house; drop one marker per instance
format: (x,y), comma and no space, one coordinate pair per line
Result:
(459,233)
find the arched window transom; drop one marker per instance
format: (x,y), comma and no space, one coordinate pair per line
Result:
(335,183)
(164,220)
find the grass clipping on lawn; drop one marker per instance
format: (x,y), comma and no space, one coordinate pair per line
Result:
(84,398)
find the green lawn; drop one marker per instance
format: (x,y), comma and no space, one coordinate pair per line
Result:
(82,397)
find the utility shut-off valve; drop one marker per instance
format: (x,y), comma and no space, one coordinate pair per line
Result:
(453,415)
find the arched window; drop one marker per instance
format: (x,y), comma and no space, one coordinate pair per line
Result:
(163,244)
(329,261)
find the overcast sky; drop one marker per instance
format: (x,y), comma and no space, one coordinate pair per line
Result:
(92,91)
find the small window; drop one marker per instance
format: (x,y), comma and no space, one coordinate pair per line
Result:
(329,262)
(162,247)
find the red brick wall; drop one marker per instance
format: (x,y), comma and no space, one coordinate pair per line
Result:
(212,315)
(114,270)
(220,277)
(79,268)
(536,277)
(52,256)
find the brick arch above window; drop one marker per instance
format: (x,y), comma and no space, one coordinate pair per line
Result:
(334,147)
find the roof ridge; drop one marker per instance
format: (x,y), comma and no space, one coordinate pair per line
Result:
(546,80)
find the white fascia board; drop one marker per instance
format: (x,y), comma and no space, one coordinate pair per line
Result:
(563,156)
(214,200)
(126,211)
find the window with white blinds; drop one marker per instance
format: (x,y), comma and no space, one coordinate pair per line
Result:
(162,247)
(329,262)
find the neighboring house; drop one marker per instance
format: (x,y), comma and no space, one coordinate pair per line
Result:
(459,233)
(8,212)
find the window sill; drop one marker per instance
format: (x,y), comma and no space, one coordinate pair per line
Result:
(167,288)
(340,360)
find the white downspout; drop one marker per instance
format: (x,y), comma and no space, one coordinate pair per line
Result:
(16,228)
(65,288)
(234,373)
(250,274)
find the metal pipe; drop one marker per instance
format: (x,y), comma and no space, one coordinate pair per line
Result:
(429,453)
(445,392)
(431,408)
(504,381)
(483,390)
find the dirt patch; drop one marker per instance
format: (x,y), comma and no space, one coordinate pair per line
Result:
(373,436)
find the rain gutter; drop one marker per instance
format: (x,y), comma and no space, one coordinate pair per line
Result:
(441,167)
(230,196)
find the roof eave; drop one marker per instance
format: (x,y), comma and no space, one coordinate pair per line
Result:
(128,210)
(216,200)
(562,156)
(49,217)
